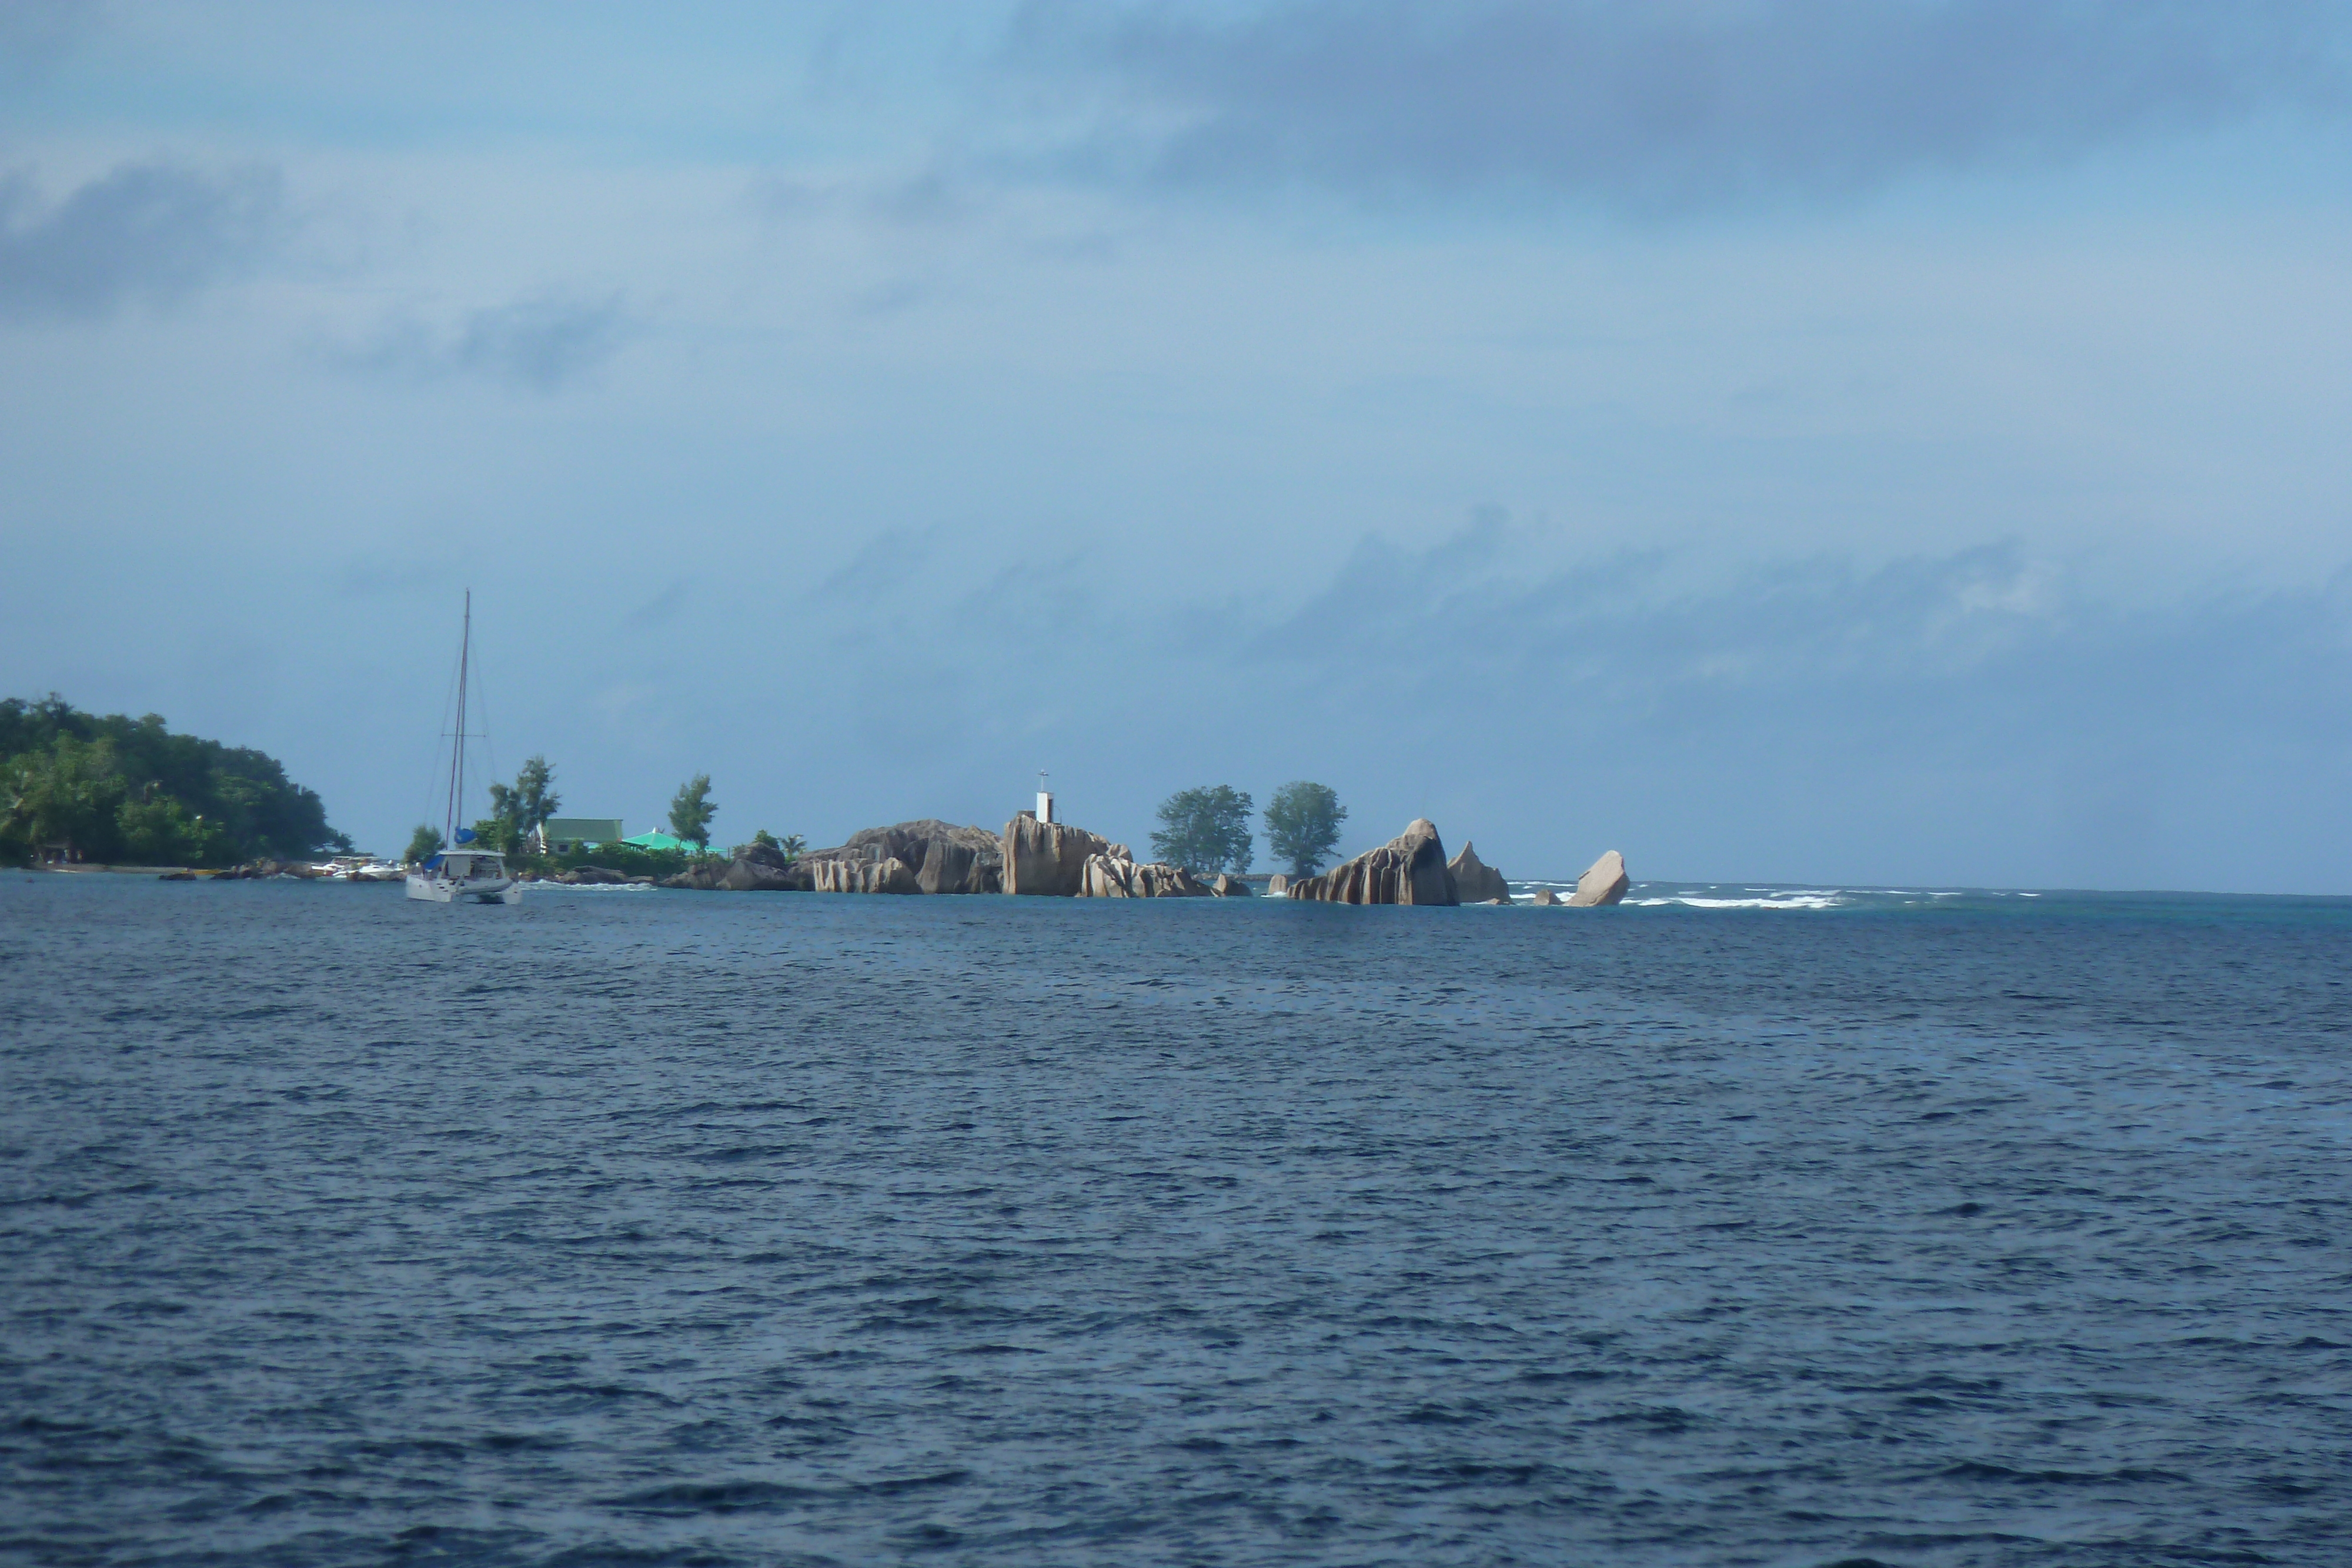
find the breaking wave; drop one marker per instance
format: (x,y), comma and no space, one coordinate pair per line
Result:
(1804,900)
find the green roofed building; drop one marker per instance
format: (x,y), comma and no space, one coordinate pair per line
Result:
(562,835)
(657,839)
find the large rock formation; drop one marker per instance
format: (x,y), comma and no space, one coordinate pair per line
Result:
(755,868)
(1408,869)
(888,875)
(1108,876)
(770,873)
(1226,887)
(1475,882)
(1604,883)
(1047,858)
(949,866)
(937,857)
(925,856)
(1545,897)
(1277,885)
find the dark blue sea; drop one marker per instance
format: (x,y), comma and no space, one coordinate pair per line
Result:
(1732,1226)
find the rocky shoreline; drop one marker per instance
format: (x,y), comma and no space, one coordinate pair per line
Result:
(1055,859)
(1051,860)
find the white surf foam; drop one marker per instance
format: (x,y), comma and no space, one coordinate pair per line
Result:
(1830,900)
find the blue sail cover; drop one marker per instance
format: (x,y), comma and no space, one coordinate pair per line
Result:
(465,835)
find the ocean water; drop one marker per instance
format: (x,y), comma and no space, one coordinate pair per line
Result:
(1734,1225)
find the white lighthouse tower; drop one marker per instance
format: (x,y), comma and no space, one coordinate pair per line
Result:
(1044,799)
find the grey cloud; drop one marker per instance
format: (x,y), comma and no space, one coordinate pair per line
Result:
(379,576)
(882,566)
(34,35)
(149,232)
(542,344)
(1984,659)
(1664,107)
(889,298)
(929,199)
(661,609)
(1978,716)
(1619,619)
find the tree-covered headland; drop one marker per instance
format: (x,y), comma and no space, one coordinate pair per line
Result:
(114,790)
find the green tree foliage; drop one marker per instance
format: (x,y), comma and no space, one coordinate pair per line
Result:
(1302,824)
(791,846)
(423,844)
(535,796)
(691,809)
(628,859)
(518,808)
(127,790)
(158,831)
(66,796)
(1208,830)
(503,827)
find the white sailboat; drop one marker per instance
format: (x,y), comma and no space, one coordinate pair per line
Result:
(460,872)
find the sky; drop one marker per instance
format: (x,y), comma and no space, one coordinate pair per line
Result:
(1844,442)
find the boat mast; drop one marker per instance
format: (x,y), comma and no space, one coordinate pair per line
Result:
(457,753)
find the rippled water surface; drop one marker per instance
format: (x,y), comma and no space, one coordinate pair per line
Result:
(756,1228)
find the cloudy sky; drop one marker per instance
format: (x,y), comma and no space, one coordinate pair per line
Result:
(1825,441)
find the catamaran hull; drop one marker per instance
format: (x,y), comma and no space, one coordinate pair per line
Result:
(474,890)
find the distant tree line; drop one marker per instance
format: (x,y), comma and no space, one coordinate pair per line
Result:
(520,809)
(1207,828)
(114,790)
